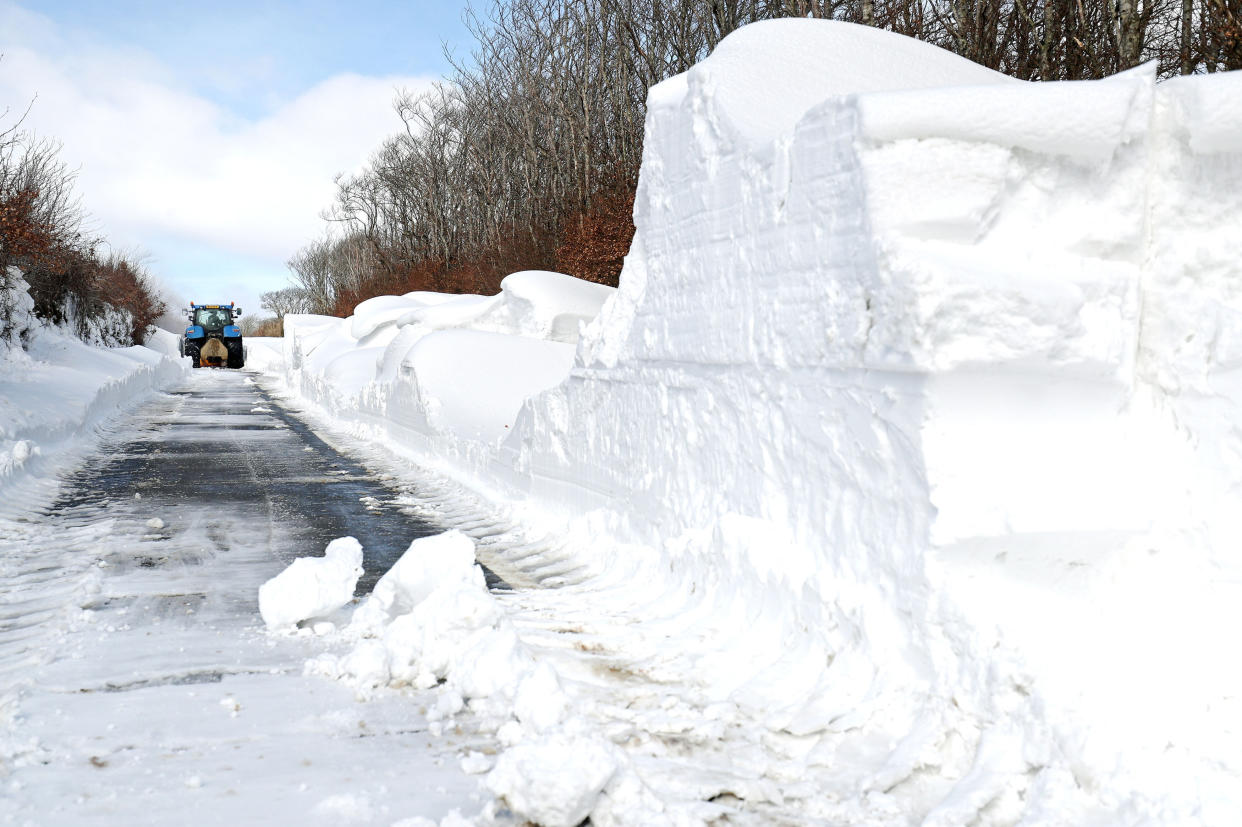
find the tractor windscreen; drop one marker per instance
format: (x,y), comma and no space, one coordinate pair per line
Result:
(214,318)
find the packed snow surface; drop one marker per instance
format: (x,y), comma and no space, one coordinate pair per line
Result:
(913,428)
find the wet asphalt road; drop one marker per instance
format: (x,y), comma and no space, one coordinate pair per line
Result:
(220,462)
(138,684)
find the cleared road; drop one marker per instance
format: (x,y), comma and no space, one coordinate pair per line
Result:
(132,657)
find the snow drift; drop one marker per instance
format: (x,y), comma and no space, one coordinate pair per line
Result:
(923,383)
(456,366)
(58,387)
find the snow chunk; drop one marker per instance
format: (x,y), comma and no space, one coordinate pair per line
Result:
(429,619)
(22,450)
(346,808)
(366,664)
(312,587)
(540,703)
(443,561)
(475,763)
(453,819)
(555,781)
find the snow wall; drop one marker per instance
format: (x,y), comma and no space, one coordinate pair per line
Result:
(57,390)
(923,382)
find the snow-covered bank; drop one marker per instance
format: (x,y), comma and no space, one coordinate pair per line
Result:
(920,393)
(58,388)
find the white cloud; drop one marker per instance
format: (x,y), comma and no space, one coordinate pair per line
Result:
(158,161)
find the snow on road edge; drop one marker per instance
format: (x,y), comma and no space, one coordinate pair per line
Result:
(58,390)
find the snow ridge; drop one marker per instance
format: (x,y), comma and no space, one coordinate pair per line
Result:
(917,400)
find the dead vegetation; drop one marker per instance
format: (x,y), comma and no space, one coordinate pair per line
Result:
(74,278)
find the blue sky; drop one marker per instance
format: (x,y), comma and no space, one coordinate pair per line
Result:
(207,135)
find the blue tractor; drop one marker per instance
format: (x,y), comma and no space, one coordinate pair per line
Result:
(213,339)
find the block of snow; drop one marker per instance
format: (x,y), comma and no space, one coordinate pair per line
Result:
(441,561)
(346,808)
(312,587)
(554,781)
(539,702)
(432,640)
(475,763)
(430,618)
(366,664)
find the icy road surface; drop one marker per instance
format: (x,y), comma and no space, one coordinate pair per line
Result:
(136,682)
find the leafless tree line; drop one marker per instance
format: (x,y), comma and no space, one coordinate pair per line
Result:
(521,158)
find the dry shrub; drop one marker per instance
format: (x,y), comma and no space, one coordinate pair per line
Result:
(69,281)
(21,235)
(269,327)
(126,286)
(596,240)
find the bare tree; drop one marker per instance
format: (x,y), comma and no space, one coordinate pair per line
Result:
(284,301)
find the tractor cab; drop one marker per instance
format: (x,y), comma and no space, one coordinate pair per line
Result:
(213,338)
(212,318)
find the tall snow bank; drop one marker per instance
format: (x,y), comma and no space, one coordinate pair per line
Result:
(921,384)
(57,388)
(942,380)
(815,63)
